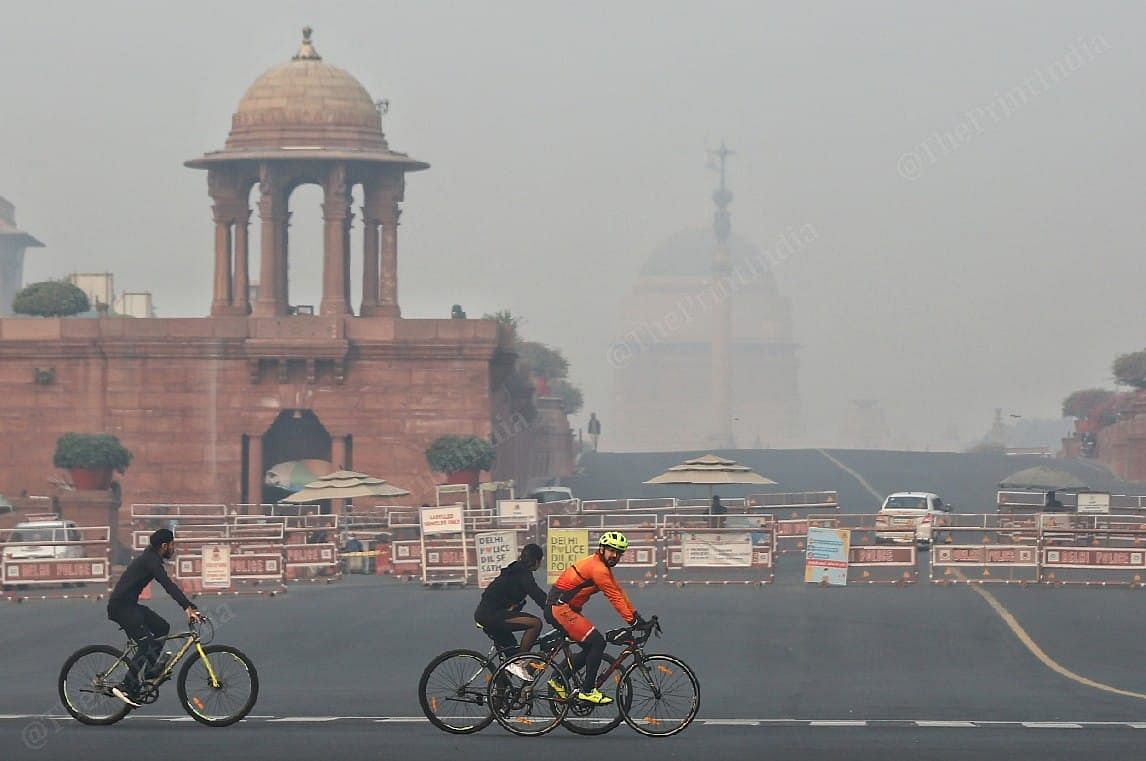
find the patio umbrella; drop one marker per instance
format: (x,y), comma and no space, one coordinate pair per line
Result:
(1042,477)
(710,471)
(345,484)
(293,475)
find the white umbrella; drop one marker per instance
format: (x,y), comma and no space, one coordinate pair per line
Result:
(710,471)
(345,484)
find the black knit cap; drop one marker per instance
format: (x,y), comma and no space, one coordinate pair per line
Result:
(161,536)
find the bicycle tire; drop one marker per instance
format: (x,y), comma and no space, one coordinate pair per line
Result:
(587,719)
(237,676)
(93,682)
(521,706)
(649,711)
(457,678)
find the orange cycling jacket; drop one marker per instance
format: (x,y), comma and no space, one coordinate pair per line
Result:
(586,577)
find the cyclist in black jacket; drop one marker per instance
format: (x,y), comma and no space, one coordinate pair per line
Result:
(500,610)
(141,623)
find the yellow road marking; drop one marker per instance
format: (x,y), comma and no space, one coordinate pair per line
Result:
(862,481)
(1038,652)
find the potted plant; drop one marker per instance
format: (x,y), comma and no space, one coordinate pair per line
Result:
(91,458)
(461,458)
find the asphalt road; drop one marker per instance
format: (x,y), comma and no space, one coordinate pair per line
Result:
(786,671)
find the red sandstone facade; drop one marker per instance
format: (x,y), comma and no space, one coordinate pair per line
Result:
(207,405)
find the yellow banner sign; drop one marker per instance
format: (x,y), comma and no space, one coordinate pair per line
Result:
(566,546)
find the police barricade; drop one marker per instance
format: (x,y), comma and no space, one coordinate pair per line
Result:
(792,533)
(310,548)
(879,552)
(642,504)
(795,513)
(742,552)
(446,556)
(985,549)
(56,564)
(225,566)
(1093,550)
(569,538)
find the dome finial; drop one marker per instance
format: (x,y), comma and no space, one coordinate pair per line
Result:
(306,51)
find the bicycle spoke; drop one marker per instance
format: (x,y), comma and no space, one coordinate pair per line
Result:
(665,696)
(453,692)
(233,690)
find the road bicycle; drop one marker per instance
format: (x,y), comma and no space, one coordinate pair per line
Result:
(657,695)
(454,690)
(218,685)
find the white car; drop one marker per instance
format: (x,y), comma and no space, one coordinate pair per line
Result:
(906,510)
(43,531)
(552,494)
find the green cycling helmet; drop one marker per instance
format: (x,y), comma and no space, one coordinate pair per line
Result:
(614,539)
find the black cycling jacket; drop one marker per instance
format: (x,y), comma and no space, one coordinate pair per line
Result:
(511,587)
(146,566)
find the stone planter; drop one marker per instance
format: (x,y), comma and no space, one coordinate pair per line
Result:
(91,479)
(469,477)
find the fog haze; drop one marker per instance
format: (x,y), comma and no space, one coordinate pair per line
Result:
(973,172)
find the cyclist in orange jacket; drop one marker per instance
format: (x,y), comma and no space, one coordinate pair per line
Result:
(573,589)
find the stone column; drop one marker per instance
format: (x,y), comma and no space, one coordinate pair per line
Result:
(272,213)
(388,298)
(241,293)
(335,209)
(369,265)
(284,261)
(221,303)
(255,472)
(346,258)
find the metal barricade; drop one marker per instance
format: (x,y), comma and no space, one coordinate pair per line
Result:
(743,551)
(986,549)
(43,568)
(879,552)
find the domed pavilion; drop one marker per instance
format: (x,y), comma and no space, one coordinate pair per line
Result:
(306,121)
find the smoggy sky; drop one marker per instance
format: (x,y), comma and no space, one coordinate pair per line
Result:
(973,171)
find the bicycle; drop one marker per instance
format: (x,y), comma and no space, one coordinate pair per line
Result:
(218,685)
(454,690)
(657,695)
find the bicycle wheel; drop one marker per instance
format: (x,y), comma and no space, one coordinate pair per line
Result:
(664,696)
(529,708)
(589,719)
(232,699)
(454,691)
(85,685)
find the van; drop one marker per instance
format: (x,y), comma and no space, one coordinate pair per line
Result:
(20,541)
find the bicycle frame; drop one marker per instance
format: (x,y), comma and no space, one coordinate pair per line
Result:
(192,640)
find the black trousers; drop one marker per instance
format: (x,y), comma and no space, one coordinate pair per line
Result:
(143,625)
(494,623)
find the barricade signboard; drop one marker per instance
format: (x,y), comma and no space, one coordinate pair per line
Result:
(742,553)
(566,546)
(495,550)
(1093,502)
(517,511)
(716,550)
(447,519)
(53,571)
(216,566)
(826,561)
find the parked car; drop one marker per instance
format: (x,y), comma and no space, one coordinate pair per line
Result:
(552,494)
(43,531)
(905,510)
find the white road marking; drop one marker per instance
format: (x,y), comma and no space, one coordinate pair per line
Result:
(842,723)
(1051,725)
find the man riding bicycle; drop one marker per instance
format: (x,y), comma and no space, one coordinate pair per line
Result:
(142,624)
(573,589)
(499,611)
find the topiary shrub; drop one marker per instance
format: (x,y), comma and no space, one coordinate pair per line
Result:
(51,298)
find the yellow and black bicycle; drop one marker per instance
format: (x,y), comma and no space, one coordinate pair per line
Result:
(218,684)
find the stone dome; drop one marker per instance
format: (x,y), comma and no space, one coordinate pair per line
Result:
(306,103)
(688,253)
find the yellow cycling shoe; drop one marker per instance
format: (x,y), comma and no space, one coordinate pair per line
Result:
(596,697)
(558,689)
